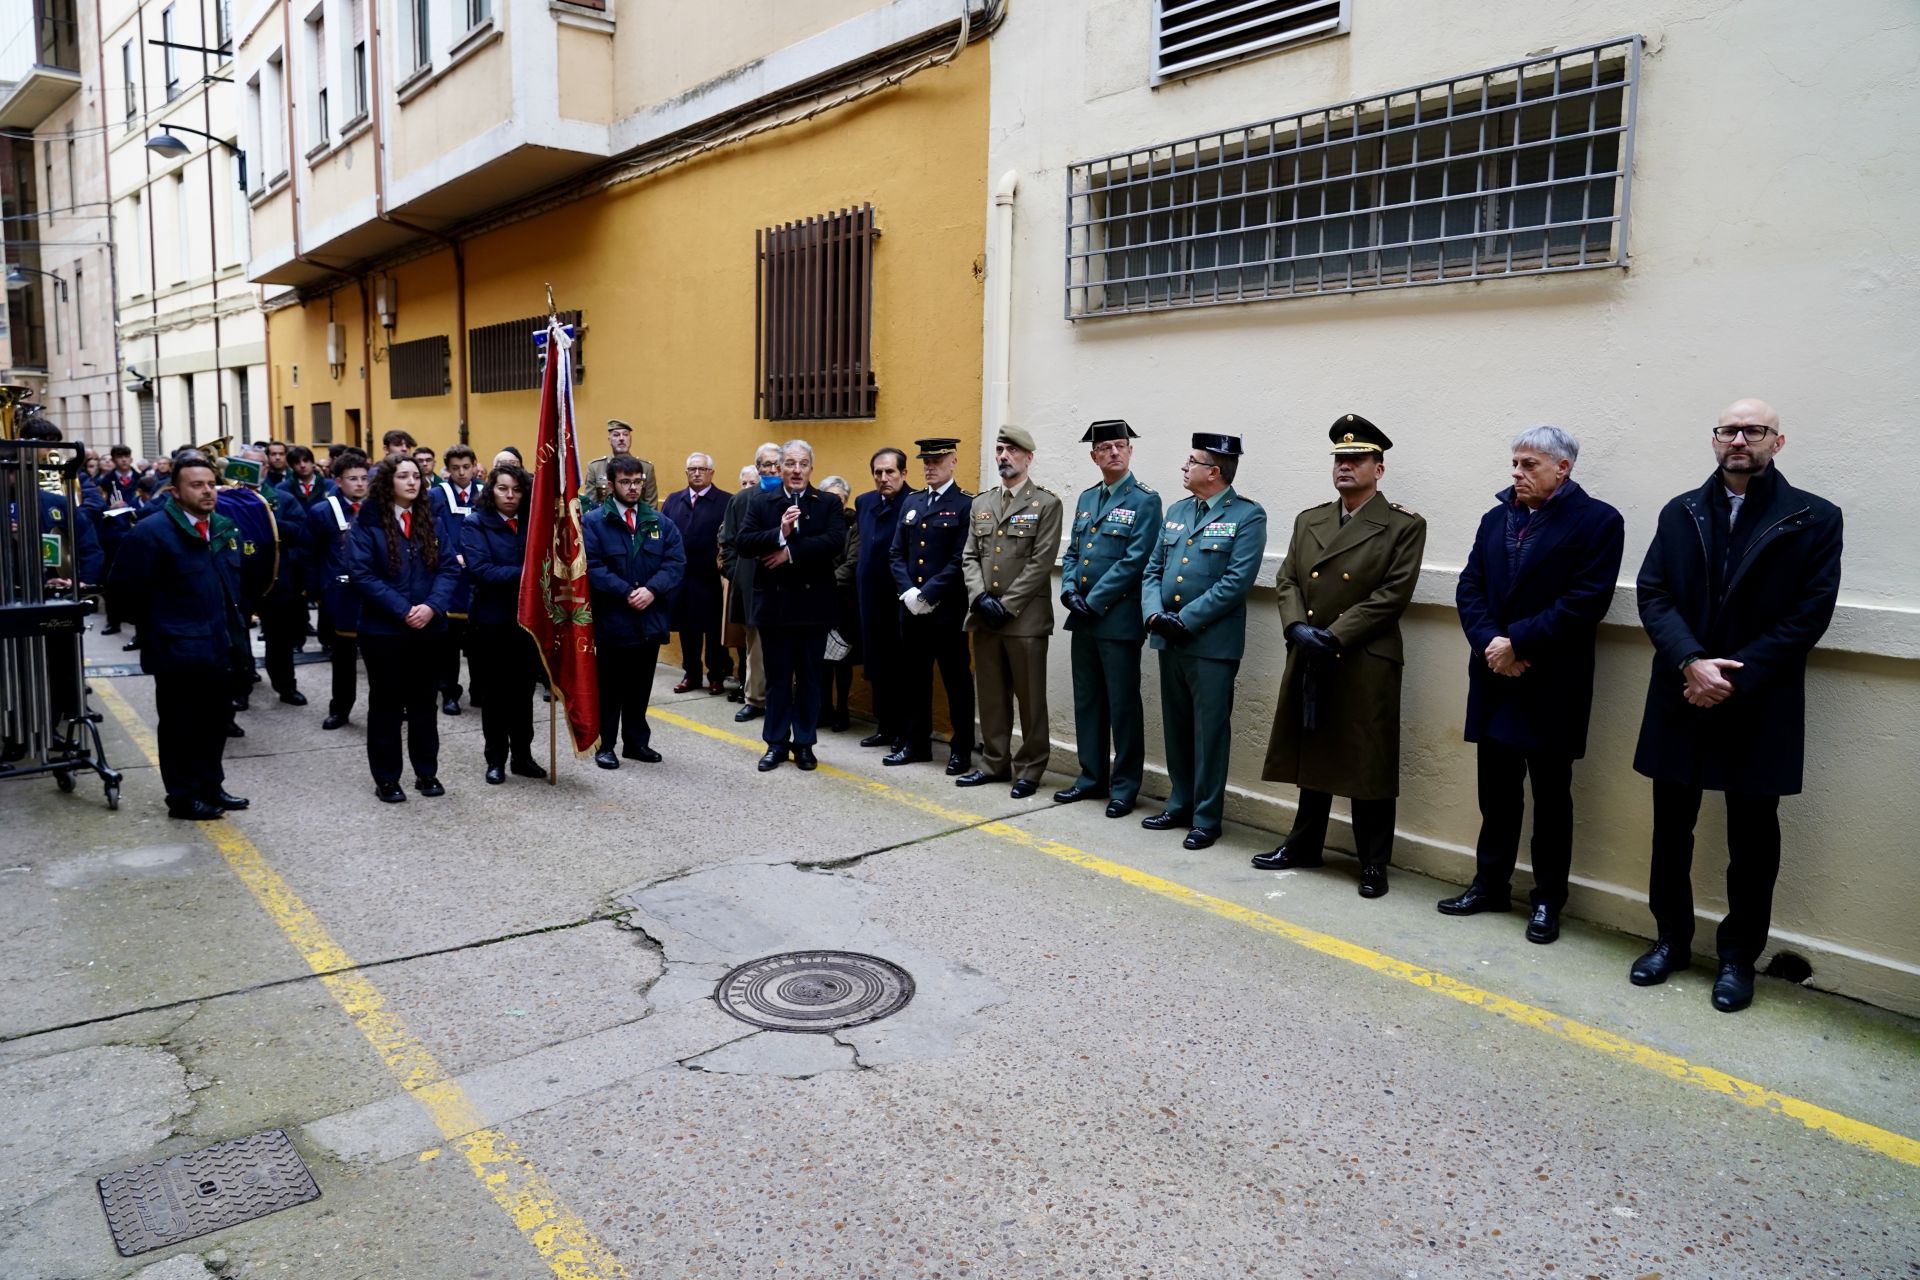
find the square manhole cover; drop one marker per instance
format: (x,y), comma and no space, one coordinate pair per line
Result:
(189,1195)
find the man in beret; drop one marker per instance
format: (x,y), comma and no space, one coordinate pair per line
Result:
(1008,565)
(1115,526)
(595,488)
(1193,598)
(932,589)
(1348,576)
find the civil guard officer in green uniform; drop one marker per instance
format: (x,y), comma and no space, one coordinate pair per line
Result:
(1115,525)
(1348,576)
(1194,600)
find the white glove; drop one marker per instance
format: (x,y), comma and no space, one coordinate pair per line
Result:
(916,604)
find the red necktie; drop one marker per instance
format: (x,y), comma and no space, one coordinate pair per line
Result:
(306,490)
(201,525)
(406,525)
(630,524)
(463,497)
(513,526)
(353,508)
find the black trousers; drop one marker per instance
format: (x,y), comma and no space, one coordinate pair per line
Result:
(1503,771)
(1372,827)
(887,680)
(345,658)
(925,644)
(502,658)
(401,690)
(836,687)
(796,660)
(1753,864)
(626,686)
(703,658)
(193,713)
(450,652)
(283,623)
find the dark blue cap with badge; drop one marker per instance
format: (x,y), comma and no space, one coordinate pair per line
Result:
(1352,433)
(1225,446)
(1109,429)
(938,447)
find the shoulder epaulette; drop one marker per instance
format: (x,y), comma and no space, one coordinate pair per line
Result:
(1403,510)
(1145,488)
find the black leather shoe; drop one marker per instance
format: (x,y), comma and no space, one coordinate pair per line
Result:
(907,755)
(1662,961)
(734,695)
(1166,820)
(294,698)
(1733,989)
(876,740)
(772,760)
(110,630)
(390,792)
(242,704)
(496,775)
(1544,927)
(1119,808)
(1285,859)
(235,731)
(429,787)
(606,759)
(130,645)
(524,767)
(1475,900)
(1373,881)
(978,778)
(450,706)
(804,757)
(748,712)
(1078,792)
(193,810)
(333,721)
(227,801)
(1200,838)
(958,762)
(1024,788)
(645,755)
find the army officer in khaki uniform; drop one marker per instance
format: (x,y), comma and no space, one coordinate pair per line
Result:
(1014,533)
(595,488)
(1348,576)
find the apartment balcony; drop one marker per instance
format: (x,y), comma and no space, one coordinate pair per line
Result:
(39,61)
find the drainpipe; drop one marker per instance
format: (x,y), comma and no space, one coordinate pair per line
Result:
(1000,282)
(119,392)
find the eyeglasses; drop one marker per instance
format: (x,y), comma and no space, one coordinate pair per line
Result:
(1195,462)
(1753,435)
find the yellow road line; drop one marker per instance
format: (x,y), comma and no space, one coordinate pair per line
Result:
(1856,1132)
(562,1239)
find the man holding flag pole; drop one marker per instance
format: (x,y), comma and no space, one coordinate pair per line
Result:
(555,607)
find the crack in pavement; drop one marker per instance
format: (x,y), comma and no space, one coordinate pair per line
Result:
(272,983)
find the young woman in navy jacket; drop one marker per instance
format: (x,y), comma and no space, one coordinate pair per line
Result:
(505,661)
(406,581)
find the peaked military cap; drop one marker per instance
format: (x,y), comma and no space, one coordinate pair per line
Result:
(1352,433)
(1225,446)
(1109,429)
(938,447)
(1018,437)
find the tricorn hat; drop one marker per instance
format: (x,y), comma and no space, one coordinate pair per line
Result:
(1109,429)
(1352,433)
(1212,442)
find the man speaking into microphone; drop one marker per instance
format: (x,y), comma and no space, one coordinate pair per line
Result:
(795,532)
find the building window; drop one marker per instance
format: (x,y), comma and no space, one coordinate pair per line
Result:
(79,309)
(46,159)
(502,357)
(1198,35)
(478,11)
(421,38)
(274,102)
(317,123)
(322,423)
(420,368)
(170,56)
(73,179)
(193,416)
(357,30)
(132,86)
(222,27)
(286,423)
(1516,170)
(243,399)
(182,227)
(813,336)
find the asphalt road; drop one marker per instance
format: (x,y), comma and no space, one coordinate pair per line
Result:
(1120,1060)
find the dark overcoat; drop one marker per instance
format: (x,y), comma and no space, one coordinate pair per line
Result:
(183,592)
(1355,580)
(1780,586)
(801,592)
(494,555)
(927,546)
(618,560)
(386,594)
(330,550)
(876,517)
(735,568)
(696,606)
(1551,610)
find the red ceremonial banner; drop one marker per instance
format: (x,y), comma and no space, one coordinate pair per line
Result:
(555,608)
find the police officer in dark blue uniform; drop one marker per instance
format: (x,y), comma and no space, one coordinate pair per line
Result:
(932,590)
(877,515)
(178,573)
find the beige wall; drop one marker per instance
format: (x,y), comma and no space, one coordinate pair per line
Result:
(470,97)
(665,47)
(1773,253)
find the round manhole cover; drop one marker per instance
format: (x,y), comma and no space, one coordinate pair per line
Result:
(814,990)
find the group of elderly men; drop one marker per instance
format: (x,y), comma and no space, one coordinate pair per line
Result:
(1737,587)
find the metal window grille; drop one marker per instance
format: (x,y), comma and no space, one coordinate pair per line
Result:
(502,357)
(420,367)
(1197,35)
(813,337)
(1516,170)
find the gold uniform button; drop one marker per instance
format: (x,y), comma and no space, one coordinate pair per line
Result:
(1185,560)
(923,561)
(1315,573)
(1083,582)
(1189,541)
(1179,578)
(1176,599)
(996,582)
(1346,577)
(1309,613)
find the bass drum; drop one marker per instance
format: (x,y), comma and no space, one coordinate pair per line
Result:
(259,536)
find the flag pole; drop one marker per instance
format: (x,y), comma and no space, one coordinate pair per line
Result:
(553,704)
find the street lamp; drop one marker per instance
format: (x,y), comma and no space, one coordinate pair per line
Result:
(165,144)
(17,278)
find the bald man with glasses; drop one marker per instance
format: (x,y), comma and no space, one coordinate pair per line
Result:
(1737,588)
